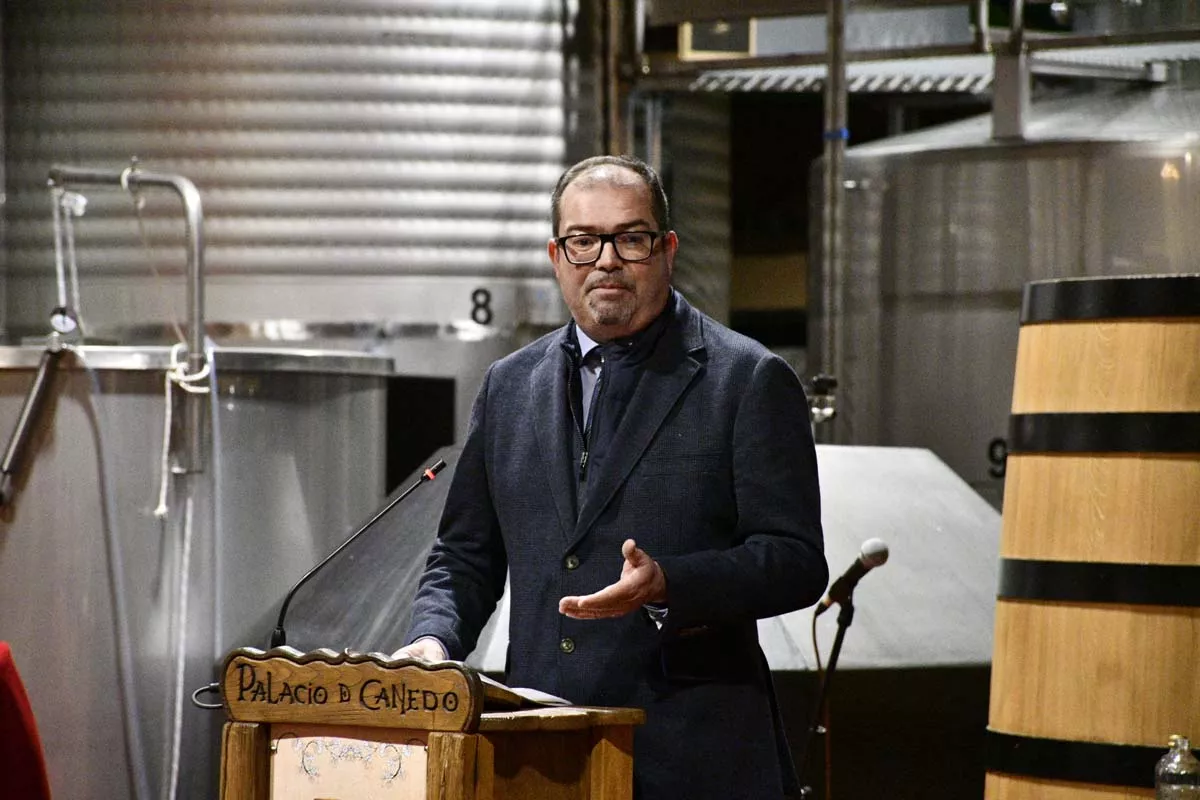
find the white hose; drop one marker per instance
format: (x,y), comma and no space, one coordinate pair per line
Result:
(176,375)
(171,774)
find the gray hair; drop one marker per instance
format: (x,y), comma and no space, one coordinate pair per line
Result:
(658,197)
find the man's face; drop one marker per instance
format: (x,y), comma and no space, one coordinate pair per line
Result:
(612,297)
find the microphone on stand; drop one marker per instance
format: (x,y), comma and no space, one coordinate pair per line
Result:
(874,553)
(278,636)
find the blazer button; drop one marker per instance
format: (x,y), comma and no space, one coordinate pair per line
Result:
(571,561)
(567,645)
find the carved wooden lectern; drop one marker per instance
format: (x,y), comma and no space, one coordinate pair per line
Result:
(342,726)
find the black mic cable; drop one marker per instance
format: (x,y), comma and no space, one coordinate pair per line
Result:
(278,636)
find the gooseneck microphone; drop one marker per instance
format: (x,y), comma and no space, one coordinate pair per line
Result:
(874,553)
(278,636)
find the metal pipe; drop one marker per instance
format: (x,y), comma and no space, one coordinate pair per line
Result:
(1016,28)
(131,179)
(639,30)
(832,238)
(634,99)
(1011,81)
(983,38)
(31,412)
(652,105)
(615,133)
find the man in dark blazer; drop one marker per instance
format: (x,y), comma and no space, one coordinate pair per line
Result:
(650,505)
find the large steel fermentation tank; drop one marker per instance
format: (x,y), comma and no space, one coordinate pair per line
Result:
(374,180)
(116,616)
(375,176)
(945,226)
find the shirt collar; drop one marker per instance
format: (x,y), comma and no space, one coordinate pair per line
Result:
(575,337)
(586,343)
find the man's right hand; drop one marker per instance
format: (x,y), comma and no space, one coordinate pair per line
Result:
(424,649)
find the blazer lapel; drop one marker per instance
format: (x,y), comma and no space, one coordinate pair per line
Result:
(549,398)
(665,377)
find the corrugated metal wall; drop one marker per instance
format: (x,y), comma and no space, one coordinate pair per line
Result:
(358,160)
(696,166)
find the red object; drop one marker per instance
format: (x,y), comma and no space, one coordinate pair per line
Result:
(22,765)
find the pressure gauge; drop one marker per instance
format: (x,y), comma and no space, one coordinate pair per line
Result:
(63,321)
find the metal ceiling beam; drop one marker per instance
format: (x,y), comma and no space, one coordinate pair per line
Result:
(662,73)
(673,12)
(1145,73)
(1046,42)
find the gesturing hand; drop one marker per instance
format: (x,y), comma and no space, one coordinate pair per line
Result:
(642,581)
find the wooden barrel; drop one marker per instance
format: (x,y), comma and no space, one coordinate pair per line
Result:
(1097,639)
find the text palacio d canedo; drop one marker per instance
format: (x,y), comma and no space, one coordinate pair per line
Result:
(372,694)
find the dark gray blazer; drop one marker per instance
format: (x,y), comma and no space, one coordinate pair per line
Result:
(714,473)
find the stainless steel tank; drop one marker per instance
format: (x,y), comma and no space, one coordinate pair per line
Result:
(116,616)
(944,228)
(385,167)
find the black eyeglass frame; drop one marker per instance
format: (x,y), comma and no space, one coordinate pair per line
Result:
(611,240)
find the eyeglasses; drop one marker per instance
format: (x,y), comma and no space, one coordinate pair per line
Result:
(585,248)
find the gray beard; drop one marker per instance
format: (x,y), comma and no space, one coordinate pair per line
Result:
(611,313)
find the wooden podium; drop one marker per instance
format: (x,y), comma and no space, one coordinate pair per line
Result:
(343,726)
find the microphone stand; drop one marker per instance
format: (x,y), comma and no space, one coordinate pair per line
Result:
(278,636)
(845,618)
